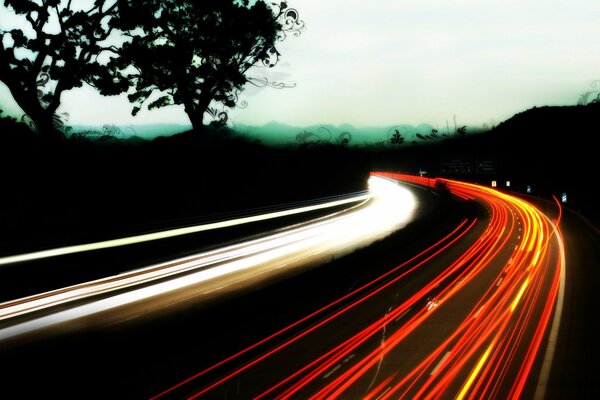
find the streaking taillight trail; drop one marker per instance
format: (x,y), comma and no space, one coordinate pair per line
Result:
(363,293)
(502,290)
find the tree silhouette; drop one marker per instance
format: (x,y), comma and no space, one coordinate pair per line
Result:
(56,51)
(191,53)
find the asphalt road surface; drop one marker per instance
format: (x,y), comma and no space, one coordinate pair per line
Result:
(472,296)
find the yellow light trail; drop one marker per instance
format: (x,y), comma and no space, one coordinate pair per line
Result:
(474,373)
(519,295)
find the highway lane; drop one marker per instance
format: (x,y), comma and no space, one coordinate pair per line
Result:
(466,318)
(133,354)
(61,262)
(365,328)
(572,374)
(386,208)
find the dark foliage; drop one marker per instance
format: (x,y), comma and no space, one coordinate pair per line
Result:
(192,53)
(56,52)
(161,53)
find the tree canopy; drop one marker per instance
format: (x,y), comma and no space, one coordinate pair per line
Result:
(160,52)
(56,50)
(196,52)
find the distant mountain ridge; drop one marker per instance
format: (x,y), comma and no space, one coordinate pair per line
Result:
(142,131)
(279,134)
(276,133)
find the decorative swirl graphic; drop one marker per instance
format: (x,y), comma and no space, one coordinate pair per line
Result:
(233,100)
(26,119)
(323,136)
(344,138)
(306,137)
(324,132)
(271,57)
(220,117)
(42,81)
(290,22)
(264,81)
(289,19)
(394,136)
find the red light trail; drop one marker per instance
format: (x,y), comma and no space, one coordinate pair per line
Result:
(500,295)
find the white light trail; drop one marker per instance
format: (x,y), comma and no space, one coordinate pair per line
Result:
(147,237)
(391,207)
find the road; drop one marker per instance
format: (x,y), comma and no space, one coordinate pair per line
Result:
(473,325)
(468,307)
(386,208)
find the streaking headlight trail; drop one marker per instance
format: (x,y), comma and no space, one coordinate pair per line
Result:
(387,207)
(148,237)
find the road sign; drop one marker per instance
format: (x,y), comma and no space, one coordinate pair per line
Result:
(486,165)
(456,165)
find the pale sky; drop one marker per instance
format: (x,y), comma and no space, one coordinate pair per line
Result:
(386,62)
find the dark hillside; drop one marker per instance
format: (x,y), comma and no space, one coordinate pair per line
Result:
(79,190)
(552,150)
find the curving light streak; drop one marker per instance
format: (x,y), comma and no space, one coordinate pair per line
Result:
(487,354)
(529,284)
(549,356)
(473,375)
(390,207)
(148,237)
(368,290)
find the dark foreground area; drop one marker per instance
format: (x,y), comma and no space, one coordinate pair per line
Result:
(81,191)
(543,152)
(573,372)
(140,358)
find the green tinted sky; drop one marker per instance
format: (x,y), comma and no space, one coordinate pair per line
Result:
(382,62)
